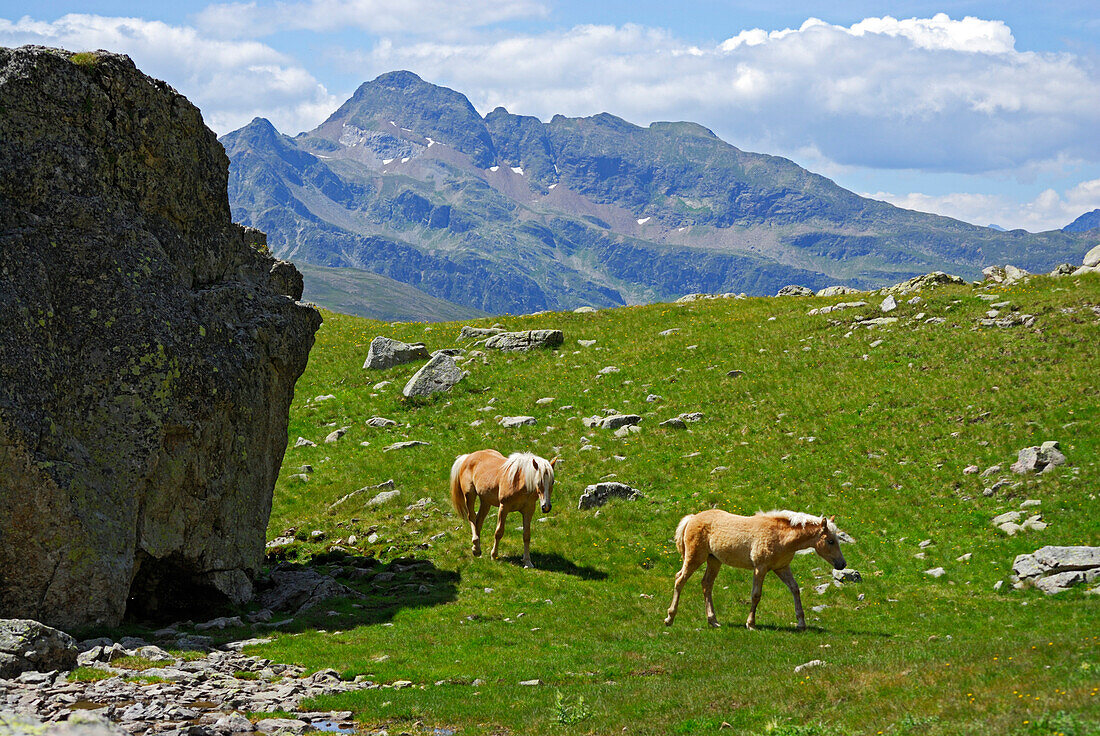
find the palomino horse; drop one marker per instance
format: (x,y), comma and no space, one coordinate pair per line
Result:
(761,543)
(515,483)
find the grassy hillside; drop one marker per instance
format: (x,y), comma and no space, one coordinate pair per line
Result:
(366,294)
(821,421)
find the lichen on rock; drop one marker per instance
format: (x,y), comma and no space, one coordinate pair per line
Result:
(148,350)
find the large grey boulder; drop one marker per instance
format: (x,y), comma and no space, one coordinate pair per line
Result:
(80,723)
(27,645)
(836,291)
(1039,458)
(148,350)
(1092,258)
(619,420)
(298,590)
(795,290)
(529,340)
(385,352)
(440,373)
(599,494)
(477,333)
(1053,569)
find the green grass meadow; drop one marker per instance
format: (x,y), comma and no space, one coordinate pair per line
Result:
(820,421)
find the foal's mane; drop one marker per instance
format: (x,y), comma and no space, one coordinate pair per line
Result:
(536,471)
(797,518)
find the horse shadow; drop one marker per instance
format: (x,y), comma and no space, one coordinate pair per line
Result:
(554,562)
(792,629)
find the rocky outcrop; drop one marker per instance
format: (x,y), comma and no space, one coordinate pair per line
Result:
(440,373)
(1039,458)
(598,494)
(795,290)
(1054,569)
(529,340)
(385,352)
(27,645)
(148,350)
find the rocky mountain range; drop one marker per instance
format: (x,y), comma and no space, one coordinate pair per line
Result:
(506,213)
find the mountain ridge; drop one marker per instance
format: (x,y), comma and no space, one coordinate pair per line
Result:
(505,213)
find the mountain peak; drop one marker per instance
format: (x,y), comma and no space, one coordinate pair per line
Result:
(1087,221)
(399,79)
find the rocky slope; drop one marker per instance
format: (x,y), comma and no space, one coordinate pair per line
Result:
(505,213)
(148,350)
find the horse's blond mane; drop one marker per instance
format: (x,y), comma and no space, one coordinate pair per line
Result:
(525,463)
(798,518)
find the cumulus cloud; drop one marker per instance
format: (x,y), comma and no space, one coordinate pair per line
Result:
(437,17)
(932,94)
(1050,210)
(230,81)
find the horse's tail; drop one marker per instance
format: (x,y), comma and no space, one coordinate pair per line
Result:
(680,533)
(458,498)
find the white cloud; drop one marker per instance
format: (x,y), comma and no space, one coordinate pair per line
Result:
(931,94)
(436,17)
(1049,210)
(230,81)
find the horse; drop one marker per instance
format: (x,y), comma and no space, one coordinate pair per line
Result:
(761,543)
(515,483)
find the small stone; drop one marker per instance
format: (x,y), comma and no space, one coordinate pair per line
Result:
(522,421)
(335,435)
(381,422)
(608,370)
(847,575)
(808,665)
(303,442)
(889,304)
(673,423)
(936,572)
(586,343)
(530,683)
(964,558)
(970,470)
(925,544)
(403,445)
(1005,517)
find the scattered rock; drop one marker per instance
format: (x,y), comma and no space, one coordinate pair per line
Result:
(27,645)
(586,343)
(545,400)
(381,385)
(847,575)
(1092,258)
(1005,517)
(928,280)
(836,291)
(385,352)
(389,485)
(692,416)
(836,307)
(674,423)
(1039,459)
(1054,569)
(808,665)
(619,420)
(509,422)
(794,290)
(529,340)
(336,434)
(298,590)
(889,304)
(381,422)
(599,494)
(936,572)
(608,370)
(530,683)
(303,442)
(403,445)
(627,429)
(970,470)
(438,374)
(670,331)
(477,333)
(584,310)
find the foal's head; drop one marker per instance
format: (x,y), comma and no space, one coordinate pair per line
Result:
(544,475)
(828,542)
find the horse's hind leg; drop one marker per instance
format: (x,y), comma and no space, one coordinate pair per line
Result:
(788,577)
(713,566)
(694,557)
(757,590)
(501,516)
(476,524)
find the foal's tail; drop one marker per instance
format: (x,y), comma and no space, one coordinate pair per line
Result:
(458,498)
(680,533)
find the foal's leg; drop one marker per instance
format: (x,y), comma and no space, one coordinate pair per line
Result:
(528,513)
(693,558)
(501,516)
(758,575)
(713,565)
(477,522)
(788,577)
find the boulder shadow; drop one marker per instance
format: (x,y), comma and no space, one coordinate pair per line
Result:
(554,562)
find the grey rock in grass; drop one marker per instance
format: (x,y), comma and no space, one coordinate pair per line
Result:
(877,322)
(1005,517)
(1039,458)
(673,423)
(991,470)
(528,340)
(477,333)
(530,683)
(836,307)
(627,429)
(810,664)
(847,575)
(692,416)
(619,420)
(1063,581)
(970,470)
(385,352)
(383,497)
(889,304)
(388,485)
(1092,258)
(27,645)
(795,290)
(336,434)
(598,494)
(149,349)
(403,445)
(303,442)
(584,310)
(298,590)
(607,370)
(936,572)
(1062,269)
(381,422)
(1053,569)
(438,374)
(927,281)
(586,343)
(670,331)
(836,291)
(524,421)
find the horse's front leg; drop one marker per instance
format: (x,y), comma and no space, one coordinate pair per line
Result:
(788,577)
(475,525)
(757,590)
(527,515)
(501,516)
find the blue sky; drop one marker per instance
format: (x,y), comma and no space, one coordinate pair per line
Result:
(986,111)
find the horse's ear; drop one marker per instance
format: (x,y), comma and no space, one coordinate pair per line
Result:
(824,522)
(555,460)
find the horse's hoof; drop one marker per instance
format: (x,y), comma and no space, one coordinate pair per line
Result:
(668,620)
(714,624)
(529,565)
(477,552)
(750,627)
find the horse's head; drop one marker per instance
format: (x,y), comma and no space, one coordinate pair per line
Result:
(828,542)
(544,472)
